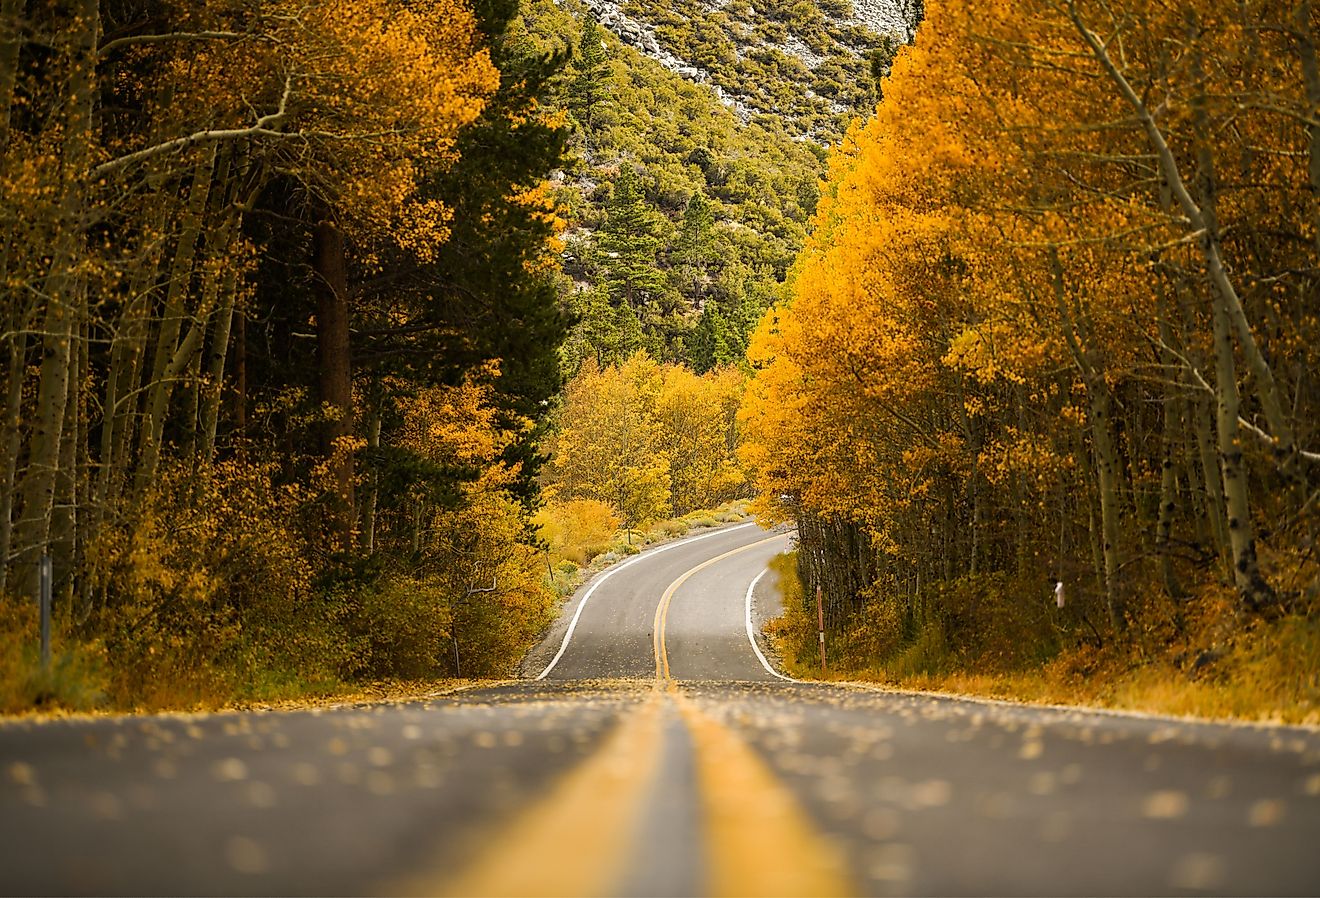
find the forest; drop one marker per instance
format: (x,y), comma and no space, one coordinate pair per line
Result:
(1043,403)
(339,345)
(280,313)
(291,297)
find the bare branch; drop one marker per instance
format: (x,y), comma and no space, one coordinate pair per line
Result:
(138,39)
(265,126)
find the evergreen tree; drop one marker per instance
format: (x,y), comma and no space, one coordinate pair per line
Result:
(694,253)
(488,293)
(628,244)
(589,90)
(607,332)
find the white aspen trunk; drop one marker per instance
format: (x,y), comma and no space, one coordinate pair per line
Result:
(132,336)
(215,366)
(1252,590)
(9,445)
(163,362)
(1200,221)
(1168,469)
(1107,462)
(65,291)
(1107,475)
(64,514)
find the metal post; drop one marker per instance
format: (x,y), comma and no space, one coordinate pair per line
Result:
(820,623)
(44,600)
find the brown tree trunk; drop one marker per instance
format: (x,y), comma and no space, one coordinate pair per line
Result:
(9,444)
(373,481)
(11,15)
(1306,51)
(240,382)
(336,377)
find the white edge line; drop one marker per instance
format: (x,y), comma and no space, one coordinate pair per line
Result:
(751,634)
(572,625)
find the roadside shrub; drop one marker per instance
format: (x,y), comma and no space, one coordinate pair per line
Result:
(76,677)
(577,530)
(203,589)
(400,626)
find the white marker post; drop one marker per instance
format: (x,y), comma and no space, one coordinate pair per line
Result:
(820,623)
(44,599)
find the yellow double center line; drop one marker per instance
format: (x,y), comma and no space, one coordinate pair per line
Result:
(662,609)
(576,839)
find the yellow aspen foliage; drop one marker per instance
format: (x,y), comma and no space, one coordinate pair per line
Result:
(649,440)
(474,584)
(1036,279)
(357,100)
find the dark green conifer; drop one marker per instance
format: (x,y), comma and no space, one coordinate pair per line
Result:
(589,90)
(628,244)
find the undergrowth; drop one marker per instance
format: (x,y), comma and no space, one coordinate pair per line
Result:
(990,637)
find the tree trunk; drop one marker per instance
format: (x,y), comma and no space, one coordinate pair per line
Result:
(64,513)
(11,41)
(215,366)
(336,378)
(65,297)
(161,386)
(1306,51)
(1108,465)
(373,481)
(1107,476)
(1168,470)
(1214,483)
(1253,592)
(1201,221)
(12,432)
(240,382)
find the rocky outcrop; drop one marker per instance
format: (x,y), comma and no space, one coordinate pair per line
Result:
(641,37)
(898,18)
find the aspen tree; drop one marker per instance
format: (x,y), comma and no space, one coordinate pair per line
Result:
(65,291)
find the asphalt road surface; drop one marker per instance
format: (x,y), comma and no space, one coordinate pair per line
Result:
(649,750)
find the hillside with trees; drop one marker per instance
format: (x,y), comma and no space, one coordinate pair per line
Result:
(333,337)
(681,219)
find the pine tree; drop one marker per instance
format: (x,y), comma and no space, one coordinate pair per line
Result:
(694,255)
(589,91)
(629,242)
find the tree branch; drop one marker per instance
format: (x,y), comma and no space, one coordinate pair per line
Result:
(138,39)
(264,127)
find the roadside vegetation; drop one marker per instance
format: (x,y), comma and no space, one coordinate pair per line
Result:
(1043,406)
(278,389)
(262,405)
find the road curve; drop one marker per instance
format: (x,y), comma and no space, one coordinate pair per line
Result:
(616,775)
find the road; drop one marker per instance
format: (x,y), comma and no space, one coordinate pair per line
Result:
(654,753)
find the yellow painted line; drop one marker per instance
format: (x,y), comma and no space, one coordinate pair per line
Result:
(759,839)
(574,841)
(662,609)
